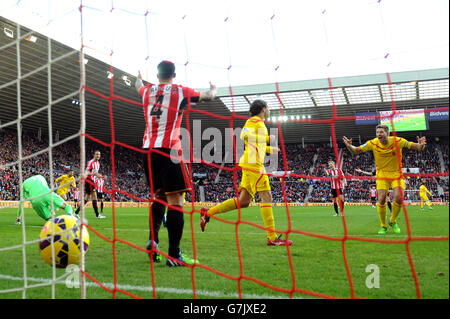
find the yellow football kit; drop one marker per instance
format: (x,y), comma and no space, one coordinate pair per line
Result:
(387,161)
(423,193)
(65,181)
(389,175)
(255,137)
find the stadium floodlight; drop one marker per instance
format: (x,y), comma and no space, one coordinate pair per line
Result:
(285,118)
(109,75)
(309,116)
(292,117)
(303,116)
(8,32)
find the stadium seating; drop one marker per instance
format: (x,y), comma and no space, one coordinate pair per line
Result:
(309,160)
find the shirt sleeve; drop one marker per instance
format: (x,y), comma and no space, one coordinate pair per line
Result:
(404,143)
(142,89)
(367,146)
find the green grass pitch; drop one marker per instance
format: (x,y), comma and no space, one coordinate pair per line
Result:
(317,264)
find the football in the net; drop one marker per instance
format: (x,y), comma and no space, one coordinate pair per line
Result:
(66,241)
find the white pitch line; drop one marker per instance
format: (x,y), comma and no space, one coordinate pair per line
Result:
(205,293)
(242,233)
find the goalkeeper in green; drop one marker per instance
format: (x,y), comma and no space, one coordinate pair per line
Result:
(37,189)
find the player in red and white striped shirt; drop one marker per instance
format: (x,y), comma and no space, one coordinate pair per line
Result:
(76,197)
(373,196)
(92,172)
(100,190)
(168,178)
(337,184)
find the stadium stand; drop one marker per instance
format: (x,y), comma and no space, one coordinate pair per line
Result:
(308,160)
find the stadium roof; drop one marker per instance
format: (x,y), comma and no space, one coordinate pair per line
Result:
(302,102)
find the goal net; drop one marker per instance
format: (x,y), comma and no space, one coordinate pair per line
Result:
(67,83)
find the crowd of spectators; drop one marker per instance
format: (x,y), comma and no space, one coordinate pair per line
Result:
(217,184)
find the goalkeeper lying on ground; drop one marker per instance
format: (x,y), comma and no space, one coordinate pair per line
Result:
(37,189)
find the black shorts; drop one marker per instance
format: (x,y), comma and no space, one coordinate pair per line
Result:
(88,187)
(334,193)
(168,175)
(373,199)
(99,195)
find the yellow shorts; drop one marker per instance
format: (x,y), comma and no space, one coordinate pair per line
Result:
(424,198)
(389,183)
(254,182)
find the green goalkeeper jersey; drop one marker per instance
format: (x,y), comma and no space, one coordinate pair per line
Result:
(35,187)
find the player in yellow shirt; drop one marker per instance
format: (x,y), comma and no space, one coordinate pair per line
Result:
(254,177)
(387,152)
(65,182)
(423,196)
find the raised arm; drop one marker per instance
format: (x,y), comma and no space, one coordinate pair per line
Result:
(209,95)
(139,82)
(363,172)
(350,147)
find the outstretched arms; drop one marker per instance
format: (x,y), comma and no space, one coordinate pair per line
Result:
(364,172)
(420,145)
(353,149)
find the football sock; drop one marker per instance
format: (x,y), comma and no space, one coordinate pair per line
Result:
(101,206)
(78,210)
(395,211)
(381,209)
(157,212)
(175,224)
(269,222)
(94,204)
(428,203)
(341,202)
(421,204)
(223,207)
(336,208)
(390,206)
